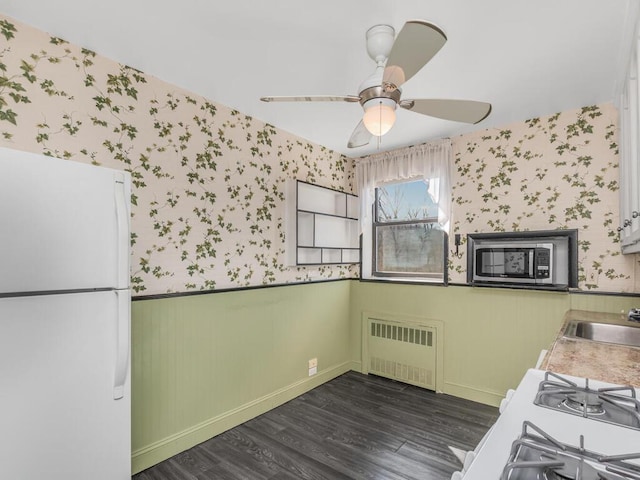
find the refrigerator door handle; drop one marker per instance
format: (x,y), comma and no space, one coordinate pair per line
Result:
(122,343)
(122,219)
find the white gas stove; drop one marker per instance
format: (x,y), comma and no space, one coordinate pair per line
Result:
(563,427)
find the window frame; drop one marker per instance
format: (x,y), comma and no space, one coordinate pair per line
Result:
(435,278)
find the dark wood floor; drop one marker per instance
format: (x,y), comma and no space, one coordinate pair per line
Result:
(353,427)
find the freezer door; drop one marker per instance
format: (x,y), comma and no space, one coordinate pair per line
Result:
(59,357)
(64,225)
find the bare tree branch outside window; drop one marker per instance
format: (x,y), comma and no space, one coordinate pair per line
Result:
(408,239)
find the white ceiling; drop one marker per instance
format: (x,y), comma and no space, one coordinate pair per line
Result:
(526,57)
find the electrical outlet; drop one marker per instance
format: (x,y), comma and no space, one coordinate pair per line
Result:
(313,366)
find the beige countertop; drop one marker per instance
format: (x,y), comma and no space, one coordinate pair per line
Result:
(599,361)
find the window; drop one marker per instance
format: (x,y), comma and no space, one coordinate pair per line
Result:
(405,209)
(407,239)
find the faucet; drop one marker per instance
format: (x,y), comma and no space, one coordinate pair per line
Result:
(634,315)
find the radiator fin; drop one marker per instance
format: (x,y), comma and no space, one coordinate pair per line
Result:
(402,352)
(419,335)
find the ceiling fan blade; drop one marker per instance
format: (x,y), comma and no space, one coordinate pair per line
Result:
(415,45)
(360,136)
(313,98)
(466,111)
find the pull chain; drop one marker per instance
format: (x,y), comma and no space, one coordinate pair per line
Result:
(379,124)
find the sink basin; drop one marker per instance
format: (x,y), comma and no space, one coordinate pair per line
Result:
(604,332)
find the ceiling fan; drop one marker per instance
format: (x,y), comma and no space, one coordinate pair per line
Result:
(397,61)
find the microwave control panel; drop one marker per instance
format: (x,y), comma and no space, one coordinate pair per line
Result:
(543,263)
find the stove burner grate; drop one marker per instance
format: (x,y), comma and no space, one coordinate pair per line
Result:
(538,456)
(616,405)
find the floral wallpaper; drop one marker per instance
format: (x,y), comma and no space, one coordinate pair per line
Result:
(555,172)
(208,181)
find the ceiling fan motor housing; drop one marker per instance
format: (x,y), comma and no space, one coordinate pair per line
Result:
(377,91)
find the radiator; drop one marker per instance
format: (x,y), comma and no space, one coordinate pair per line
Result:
(401,351)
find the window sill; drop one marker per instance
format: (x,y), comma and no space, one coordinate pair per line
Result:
(406,280)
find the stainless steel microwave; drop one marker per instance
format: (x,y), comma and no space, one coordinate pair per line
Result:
(514,262)
(540,259)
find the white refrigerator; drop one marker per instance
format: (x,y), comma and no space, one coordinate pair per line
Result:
(65,395)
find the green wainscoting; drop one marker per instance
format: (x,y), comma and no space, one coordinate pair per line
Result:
(604,303)
(202,364)
(491,335)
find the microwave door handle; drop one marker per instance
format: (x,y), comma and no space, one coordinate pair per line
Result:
(531,266)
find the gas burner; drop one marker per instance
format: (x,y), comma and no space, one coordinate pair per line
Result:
(568,469)
(582,402)
(535,455)
(617,405)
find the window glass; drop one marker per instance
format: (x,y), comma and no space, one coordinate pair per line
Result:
(405,201)
(414,248)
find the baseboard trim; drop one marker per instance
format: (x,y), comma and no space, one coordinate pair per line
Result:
(158,451)
(472,393)
(356,366)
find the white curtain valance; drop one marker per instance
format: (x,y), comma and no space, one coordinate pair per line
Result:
(428,161)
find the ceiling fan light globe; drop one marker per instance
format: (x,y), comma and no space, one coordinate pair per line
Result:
(379,118)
